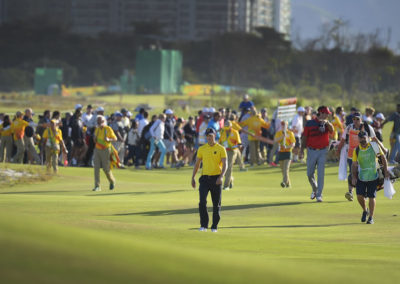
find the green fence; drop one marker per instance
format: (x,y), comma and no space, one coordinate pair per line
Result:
(158,71)
(48,81)
(128,83)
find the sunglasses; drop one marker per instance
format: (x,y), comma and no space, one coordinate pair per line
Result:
(356,118)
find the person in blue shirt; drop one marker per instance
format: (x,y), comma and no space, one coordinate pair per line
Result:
(246,103)
(139,116)
(214,124)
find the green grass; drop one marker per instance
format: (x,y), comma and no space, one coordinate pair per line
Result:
(146,231)
(111,103)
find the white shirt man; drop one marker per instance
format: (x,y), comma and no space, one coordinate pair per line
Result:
(202,130)
(87,115)
(157,135)
(141,124)
(297,122)
(157,130)
(93,120)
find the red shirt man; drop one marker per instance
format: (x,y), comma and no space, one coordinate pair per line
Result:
(316,138)
(316,131)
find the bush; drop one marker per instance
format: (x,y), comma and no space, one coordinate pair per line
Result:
(12,79)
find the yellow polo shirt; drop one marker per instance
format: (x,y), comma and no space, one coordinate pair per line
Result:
(255,123)
(101,134)
(212,158)
(18,128)
(231,140)
(6,131)
(56,136)
(236,125)
(289,139)
(337,126)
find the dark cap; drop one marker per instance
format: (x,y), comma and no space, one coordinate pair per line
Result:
(324,109)
(353,109)
(362,134)
(210,131)
(123,110)
(357,114)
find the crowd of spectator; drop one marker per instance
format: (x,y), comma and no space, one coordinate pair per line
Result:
(161,140)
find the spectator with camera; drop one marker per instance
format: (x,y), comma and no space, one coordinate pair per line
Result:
(316,139)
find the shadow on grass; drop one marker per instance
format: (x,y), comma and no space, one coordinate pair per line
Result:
(294,167)
(297,167)
(136,193)
(196,210)
(286,226)
(35,192)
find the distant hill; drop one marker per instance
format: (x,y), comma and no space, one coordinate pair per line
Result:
(364,16)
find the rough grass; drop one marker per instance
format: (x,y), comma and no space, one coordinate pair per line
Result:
(11,175)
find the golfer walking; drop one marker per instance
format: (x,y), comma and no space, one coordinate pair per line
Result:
(213,156)
(316,138)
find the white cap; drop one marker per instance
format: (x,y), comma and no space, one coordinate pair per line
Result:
(380,115)
(211,109)
(78,106)
(100,109)
(129,114)
(169,111)
(205,109)
(302,109)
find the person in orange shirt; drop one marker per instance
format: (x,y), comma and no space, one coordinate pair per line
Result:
(18,128)
(52,139)
(254,124)
(103,136)
(286,141)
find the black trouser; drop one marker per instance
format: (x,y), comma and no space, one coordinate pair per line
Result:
(133,153)
(208,183)
(89,152)
(68,145)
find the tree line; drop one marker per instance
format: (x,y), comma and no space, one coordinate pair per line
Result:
(348,66)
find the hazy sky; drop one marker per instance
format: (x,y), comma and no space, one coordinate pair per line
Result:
(364,16)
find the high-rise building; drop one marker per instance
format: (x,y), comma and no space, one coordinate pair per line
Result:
(178,19)
(53,10)
(263,14)
(164,13)
(215,17)
(282,17)
(272,13)
(94,16)
(3,10)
